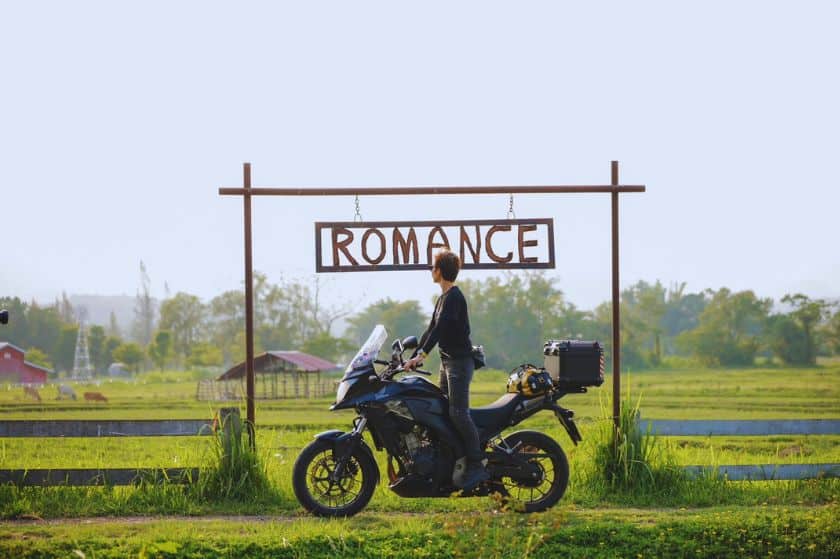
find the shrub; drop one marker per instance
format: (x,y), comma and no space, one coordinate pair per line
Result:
(626,459)
(236,471)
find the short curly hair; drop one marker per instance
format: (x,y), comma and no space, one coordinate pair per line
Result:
(448,263)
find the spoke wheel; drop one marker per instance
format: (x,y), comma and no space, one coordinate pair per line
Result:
(322,492)
(548,476)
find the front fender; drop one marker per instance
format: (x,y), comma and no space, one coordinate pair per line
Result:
(343,444)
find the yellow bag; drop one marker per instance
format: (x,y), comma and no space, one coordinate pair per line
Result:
(529,381)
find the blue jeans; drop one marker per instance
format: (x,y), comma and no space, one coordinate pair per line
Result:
(455,377)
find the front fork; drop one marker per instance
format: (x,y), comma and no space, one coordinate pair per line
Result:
(345,445)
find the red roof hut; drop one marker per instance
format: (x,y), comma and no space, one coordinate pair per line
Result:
(285,374)
(15,369)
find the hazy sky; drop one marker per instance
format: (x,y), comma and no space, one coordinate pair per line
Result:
(119,121)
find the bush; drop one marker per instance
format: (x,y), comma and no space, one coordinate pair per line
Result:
(236,471)
(627,459)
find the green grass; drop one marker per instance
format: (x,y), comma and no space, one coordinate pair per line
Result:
(284,427)
(567,531)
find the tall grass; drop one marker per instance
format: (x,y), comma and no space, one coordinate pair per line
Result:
(236,470)
(626,459)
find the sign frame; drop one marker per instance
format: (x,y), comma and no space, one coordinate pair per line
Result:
(246,192)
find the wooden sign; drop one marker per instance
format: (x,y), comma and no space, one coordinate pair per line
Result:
(411,245)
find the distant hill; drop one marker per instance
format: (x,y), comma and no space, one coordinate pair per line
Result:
(99,309)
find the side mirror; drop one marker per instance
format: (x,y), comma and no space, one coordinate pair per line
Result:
(410,342)
(4,316)
(397,346)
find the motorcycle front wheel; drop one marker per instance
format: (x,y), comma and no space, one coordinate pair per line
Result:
(321,494)
(540,492)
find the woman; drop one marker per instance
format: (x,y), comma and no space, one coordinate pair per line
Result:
(450,330)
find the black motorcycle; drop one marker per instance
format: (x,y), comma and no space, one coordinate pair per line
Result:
(336,474)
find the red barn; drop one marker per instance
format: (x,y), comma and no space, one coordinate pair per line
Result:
(15,369)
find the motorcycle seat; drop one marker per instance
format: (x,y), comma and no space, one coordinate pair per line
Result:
(495,415)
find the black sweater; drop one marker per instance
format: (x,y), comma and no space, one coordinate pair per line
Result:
(449,327)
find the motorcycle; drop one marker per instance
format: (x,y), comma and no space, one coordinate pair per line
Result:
(336,474)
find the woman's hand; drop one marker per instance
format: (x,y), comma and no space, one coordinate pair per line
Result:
(413,363)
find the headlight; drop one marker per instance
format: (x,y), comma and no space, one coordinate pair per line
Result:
(343,387)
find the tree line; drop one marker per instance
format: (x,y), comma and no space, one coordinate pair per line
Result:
(510,315)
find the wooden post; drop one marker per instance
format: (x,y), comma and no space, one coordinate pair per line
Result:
(616,305)
(249,302)
(227,415)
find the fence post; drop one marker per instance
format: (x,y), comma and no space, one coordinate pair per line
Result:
(226,414)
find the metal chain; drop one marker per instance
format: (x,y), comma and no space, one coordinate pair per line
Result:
(510,212)
(358,216)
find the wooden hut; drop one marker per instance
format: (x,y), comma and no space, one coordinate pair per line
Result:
(285,374)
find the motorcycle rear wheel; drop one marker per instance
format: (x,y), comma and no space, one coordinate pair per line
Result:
(318,493)
(543,493)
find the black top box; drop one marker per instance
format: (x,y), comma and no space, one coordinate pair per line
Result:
(575,362)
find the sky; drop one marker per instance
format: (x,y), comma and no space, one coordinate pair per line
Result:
(119,122)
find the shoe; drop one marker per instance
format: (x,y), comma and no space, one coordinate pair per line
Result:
(475,474)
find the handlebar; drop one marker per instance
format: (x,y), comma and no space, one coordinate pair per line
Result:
(395,372)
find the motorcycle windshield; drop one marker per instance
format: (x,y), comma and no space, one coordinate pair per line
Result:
(369,350)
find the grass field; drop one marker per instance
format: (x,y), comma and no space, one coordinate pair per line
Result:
(563,532)
(285,426)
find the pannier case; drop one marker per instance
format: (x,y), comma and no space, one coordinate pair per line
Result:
(574,362)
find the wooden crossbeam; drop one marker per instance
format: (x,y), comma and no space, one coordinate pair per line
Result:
(762,472)
(105,428)
(756,427)
(94,476)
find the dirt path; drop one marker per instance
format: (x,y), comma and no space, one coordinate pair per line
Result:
(291,517)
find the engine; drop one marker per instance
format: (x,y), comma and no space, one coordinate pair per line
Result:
(418,451)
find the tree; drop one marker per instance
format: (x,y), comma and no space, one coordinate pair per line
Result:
(284,314)
(113,326)
(109,346)
(786,339)
(683,310)
(729,329)
(65,309)
(96,346)
(504,321)
(511,316)
(44,328)
(64,353)
(228,325)
(643,308)
(400,318)
(325,346)
(144,310)
(17,330)
(832,332)
(324,316)
(184,316)
(807,313)
(131,354)
(38,357)
(160,347)
(205,355)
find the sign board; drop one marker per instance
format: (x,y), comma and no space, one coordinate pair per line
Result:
(411,245)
